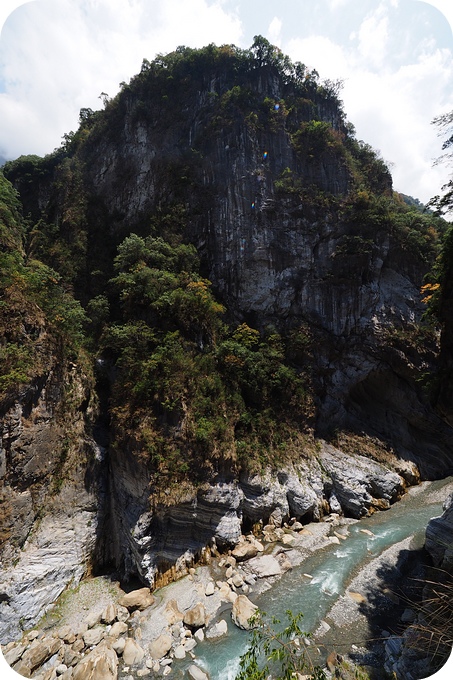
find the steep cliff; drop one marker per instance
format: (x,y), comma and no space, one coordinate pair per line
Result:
(251,284)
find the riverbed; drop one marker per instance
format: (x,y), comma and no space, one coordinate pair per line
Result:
(328,586)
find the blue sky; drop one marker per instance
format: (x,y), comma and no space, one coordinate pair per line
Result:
(394,56)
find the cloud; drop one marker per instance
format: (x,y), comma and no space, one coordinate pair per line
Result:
(57,56)
(274,31)
(373,36)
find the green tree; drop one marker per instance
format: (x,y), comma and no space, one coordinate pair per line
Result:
(276,653)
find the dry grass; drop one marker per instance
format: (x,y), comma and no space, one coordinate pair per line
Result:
(432,633)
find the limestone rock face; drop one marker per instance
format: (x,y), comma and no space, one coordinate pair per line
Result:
(359,483)
(439,537)
(45,477)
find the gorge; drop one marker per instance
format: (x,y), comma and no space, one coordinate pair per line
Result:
(213,321)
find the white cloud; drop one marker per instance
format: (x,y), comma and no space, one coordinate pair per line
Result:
(320,53)
(391,108)
(373,37)
(274,31)
(57,56)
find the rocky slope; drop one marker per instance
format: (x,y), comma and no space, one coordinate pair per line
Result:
(250,159)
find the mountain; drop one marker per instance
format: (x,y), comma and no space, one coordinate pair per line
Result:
(215,318)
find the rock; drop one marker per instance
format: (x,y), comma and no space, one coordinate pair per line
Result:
(118,628)
(358,481)
(296,526)
(66,634)
(132,652)
(13,655)
(68,675)
(287,539)
(166,671)
(39,652)
(237,580)
(322,629)
(100,664)
(408,616)
(172,613)
(438,537)
(243,610)
(199,634)
(143,672)
(244,551)
(217,630)
(118,645)
(357,597)
(195,673)
(78,645)
(160,647)
(93,618)
(332,662)
(62,668)
(137,599)
(109,614)
(180,652)
(229,572)
(93,636)
(70,657)
(264,566)
(122,613)
(191,644)
(210,589)
(195,617)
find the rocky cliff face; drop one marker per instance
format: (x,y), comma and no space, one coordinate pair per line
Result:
(50,495)
(288,215)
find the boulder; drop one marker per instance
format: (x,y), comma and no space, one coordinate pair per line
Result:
(118,645)
(244,551)
(218,630)
(210,589)
(132,652)
(243,610)
(180,652)
(118,628)
(172,613)
(100,664)
(93,636)
(39,652)
(160,647)
(195,673)
(264,566)
(195,617)
(137,599)
(93,618)
(109,614)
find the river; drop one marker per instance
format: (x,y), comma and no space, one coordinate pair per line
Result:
(332,569)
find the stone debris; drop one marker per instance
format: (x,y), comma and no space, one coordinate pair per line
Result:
(195,617)
(137,599)
(195,673)
(243,610)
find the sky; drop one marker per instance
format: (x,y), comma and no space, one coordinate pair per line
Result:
(395,58)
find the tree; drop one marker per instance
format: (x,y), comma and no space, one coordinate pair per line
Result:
(278,654)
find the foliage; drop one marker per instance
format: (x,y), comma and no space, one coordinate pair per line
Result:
(281,654)
(213,396)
